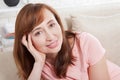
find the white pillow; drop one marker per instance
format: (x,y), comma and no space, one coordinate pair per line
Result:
(105,28)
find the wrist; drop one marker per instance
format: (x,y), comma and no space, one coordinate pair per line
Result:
(39,63)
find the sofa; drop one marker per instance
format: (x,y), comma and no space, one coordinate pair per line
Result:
(102,21)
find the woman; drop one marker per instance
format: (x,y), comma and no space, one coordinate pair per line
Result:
(44,51)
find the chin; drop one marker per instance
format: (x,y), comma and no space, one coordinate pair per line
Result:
(56,50)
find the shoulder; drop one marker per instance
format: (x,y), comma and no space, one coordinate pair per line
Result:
(85,37)
(90,46)
(88,42)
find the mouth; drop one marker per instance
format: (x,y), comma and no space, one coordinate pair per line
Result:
(53,44)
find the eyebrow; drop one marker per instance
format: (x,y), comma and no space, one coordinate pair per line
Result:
(36,29)
(40,27)
(50,21)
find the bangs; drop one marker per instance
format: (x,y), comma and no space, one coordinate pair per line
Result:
(38,16)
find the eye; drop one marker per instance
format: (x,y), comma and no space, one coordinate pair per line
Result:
(52,25)
(38,33)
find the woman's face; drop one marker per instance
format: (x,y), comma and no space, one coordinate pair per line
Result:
(47,36)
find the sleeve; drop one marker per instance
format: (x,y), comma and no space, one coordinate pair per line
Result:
(94,49)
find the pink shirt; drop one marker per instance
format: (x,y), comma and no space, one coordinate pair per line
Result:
(88,51)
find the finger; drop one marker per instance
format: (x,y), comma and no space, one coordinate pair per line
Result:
(24,41)
(30,44)
(29,41)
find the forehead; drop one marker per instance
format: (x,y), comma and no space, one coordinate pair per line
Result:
(47,17)
(47,14)
(43,15)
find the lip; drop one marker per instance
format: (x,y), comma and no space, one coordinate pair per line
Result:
(53,44)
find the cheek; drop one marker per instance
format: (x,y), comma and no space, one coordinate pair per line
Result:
(58,30)
(38,44)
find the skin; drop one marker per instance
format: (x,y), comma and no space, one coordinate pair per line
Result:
(99,71)
(44,42)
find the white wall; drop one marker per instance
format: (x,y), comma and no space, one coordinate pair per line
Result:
(74,3)
(8,14)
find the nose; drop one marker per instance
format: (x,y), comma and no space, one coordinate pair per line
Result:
(49,35)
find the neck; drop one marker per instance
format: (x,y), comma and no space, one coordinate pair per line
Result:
(50,58)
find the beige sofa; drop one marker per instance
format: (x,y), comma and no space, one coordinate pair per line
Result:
(103,21)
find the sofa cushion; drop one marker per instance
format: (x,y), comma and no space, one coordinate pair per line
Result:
(8,70)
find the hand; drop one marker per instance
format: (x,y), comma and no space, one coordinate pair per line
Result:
(38,56)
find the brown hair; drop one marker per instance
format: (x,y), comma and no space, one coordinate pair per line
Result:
(30,16)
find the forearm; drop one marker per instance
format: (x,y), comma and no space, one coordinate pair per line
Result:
(99,71)
(36,71)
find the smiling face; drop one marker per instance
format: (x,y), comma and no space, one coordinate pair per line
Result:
(47,36)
